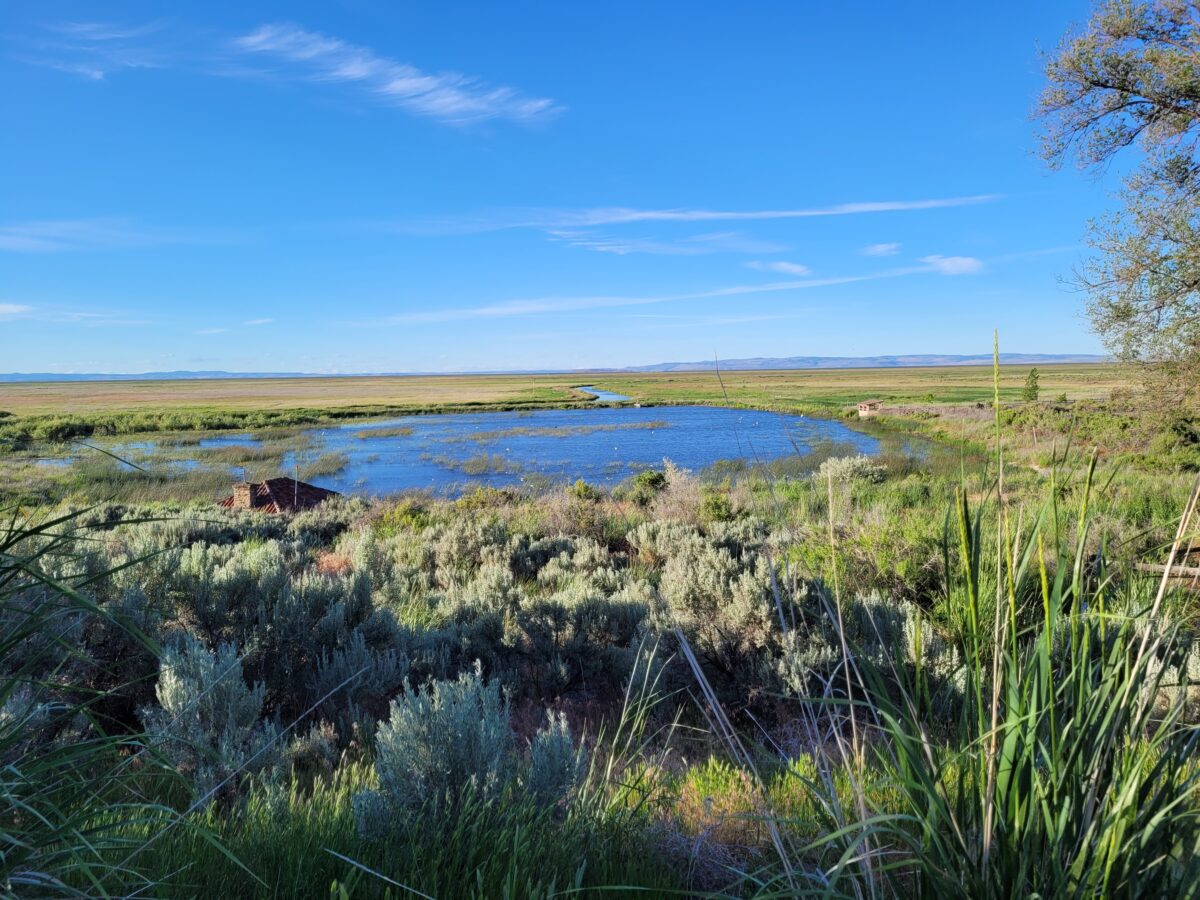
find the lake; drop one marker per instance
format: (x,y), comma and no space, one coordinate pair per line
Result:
(453,452)
(447,453)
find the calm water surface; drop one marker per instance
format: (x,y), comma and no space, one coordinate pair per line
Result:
(603,446)
(603,396)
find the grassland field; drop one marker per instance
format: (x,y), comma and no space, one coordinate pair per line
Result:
(809,388)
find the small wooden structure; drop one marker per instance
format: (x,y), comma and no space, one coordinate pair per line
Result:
(869,408)
(1192,572)
(1185,573)
(1182,568)
(276,495)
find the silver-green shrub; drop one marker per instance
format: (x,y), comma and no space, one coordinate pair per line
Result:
(724,604)
(450,742)
(556,766)
(208,720)
(658,540)
(893,635)
(741,535)
(355,679)
(492,588)
(583,562)
(444,741)
(464,546)
(24,716)
(845,469)
(528,555)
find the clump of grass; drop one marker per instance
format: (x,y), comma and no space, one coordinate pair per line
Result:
(1076,715)
(554,431)
(235,455)
(325,464)
(367,434)
(299,841)
(72,789)
(479,464)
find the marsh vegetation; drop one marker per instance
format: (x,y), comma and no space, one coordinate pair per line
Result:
(864,674)
(441,453)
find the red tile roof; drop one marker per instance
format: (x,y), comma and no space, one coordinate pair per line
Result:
(283,495)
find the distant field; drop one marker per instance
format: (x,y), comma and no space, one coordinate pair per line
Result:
(840,387)
(84,397)
(804,388)
(937,402)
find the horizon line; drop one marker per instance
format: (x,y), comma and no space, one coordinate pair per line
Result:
(826,363)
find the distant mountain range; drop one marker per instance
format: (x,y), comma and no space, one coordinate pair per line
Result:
(181,375)
(756,363)
(869,362)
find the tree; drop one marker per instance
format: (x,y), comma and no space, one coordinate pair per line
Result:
(1029,393)
(1131,79)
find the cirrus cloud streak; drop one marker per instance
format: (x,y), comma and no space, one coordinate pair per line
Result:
(623,215)
(447,96)
(940,265)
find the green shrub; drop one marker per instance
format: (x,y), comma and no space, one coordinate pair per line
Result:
(645,486)
(717,507)
(1029,393)
(407,514)
(650,479)
(581,490)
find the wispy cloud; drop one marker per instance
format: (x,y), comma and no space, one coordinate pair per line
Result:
(52,235)
(65,316)
(105,32)
(786,268)
(694,245)
(545,305)
(445,96)
(674,322)
(942,265)
(222,329)
(93,50)
(881,250)
(953,265)
(94,320)
(623,215)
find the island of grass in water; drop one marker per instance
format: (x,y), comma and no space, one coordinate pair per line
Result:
(451,453)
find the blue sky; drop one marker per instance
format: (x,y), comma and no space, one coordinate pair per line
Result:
(381,186)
